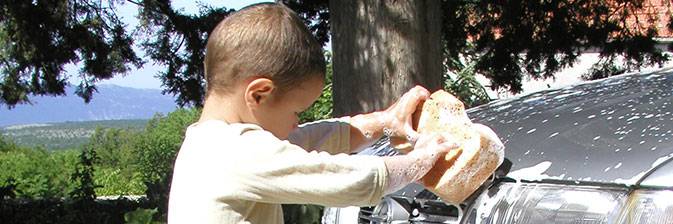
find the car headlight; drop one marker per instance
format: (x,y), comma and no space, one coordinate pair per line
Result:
(649,206)
(532,203)
(547,203)
(554,203)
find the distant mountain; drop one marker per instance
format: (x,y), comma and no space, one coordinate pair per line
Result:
(111,102)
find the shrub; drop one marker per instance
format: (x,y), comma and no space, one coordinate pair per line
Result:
(83,177)
(115,171)
(37,173)
(114,181)
(45,211)
(155,152)
(140,216)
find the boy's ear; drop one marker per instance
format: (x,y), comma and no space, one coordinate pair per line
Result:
(258,90)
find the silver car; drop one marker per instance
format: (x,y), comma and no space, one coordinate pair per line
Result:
(596,152)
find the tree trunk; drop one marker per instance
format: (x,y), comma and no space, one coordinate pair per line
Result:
(381,49)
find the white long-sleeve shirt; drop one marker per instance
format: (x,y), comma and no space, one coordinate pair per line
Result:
(240,173)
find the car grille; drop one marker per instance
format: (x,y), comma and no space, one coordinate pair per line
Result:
(365,215)
(425,208)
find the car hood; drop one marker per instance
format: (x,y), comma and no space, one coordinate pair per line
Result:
(612,130)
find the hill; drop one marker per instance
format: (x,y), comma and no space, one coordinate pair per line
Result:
(110,103)
(66,135)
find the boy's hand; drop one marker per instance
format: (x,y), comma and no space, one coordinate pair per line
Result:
(398,117)
(404,169)
(429,148)
(395,122)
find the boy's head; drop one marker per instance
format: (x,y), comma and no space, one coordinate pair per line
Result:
(264,40)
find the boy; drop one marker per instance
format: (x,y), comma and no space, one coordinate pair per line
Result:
(263,68)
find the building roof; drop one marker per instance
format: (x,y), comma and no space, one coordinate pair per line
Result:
(658,10)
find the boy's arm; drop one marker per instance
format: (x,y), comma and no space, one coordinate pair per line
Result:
(292,175)
(352,134)
(331,135)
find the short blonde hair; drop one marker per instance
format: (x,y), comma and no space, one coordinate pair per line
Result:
(263,40)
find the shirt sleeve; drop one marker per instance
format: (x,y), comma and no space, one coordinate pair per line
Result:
(286,173)
(331,135)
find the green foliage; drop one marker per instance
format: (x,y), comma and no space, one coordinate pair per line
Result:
(603,69)
(512,39)
(37,173)
(7,189)
(322,108)
(83,177)
(140,216)
(55,210)
(316,16)
(156,149)
(115,161)
(178,41)
(120,180)
(112,146)
(509,40)
(38,38)
(6,145)
(116,171)
(466,87)
(302,214)
(157,146)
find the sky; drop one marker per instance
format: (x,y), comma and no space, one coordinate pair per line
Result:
(143,78)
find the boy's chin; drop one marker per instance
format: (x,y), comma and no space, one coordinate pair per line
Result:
(281,136)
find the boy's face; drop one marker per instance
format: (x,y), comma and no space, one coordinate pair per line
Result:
(280,115)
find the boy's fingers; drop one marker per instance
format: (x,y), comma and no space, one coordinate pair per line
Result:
(445,138)
(452,155)
(446,150)
(423,92)
(448,146)
(414,97)
(411,135)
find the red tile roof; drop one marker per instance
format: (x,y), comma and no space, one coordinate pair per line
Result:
(654,11)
